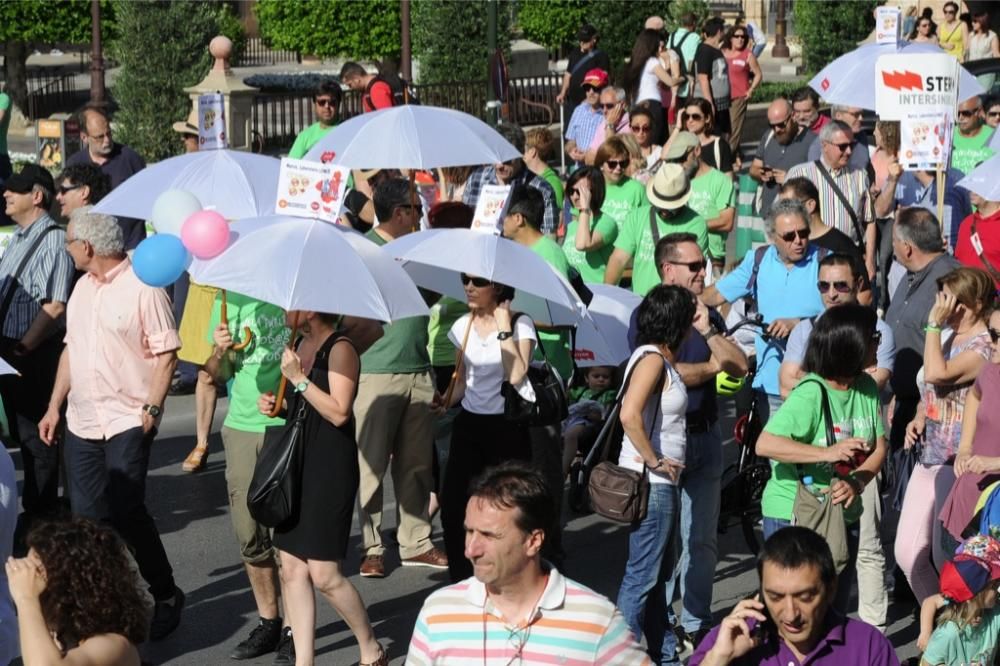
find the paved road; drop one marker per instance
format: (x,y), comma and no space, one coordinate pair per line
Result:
(191,511)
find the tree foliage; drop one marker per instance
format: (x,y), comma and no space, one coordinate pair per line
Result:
(830,29)
(162,47)
(450,38)
(359,30)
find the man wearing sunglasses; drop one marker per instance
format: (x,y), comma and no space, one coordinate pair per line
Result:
(80,185)
(587,116)
(971,140)
(616,120)
(326,103)
(851,116)
(781,147)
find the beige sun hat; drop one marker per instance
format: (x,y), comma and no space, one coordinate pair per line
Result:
(669,188)
(189,126)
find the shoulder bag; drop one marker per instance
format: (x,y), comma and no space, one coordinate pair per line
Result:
(858,229)
(550,405)
(616,492)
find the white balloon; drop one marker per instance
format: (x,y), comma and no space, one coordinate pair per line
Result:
(171,209)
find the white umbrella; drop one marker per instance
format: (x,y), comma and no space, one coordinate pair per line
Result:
(983,179)
(602,337)
(850,79)
(436,258)
(412,137)
(303,264)
(7,369)
(236,184)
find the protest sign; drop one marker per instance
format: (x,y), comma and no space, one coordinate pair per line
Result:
(310,189)
(211,121)
(924,81)
(924,139)
(488,217)
(887,25)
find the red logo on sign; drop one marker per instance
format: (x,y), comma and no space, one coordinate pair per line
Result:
(327,156)
(583,355)
(825,84)
(903,80)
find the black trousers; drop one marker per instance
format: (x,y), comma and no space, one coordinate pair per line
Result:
(478,441)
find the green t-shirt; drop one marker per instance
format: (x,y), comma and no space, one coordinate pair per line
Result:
(622,199)
(591,264)
(711,194)
(257,369)
(558,350)
(308,138)
(5,123)
(972,644)
(552,178)
(635,238)
(403,346)
(444,314)
(801,418)
(968,151)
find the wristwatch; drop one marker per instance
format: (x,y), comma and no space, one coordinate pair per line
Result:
(302,386)
(152,410)
(503,335)
(712,331)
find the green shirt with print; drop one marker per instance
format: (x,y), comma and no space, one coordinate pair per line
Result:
(308,138)
(968,151)
(590,265)
(635,238)
(558,350)
(711,194)
(801,418)
(622,198)
(402,349)
(256,369)
(552,178)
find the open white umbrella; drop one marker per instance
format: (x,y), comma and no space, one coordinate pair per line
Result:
(435,259)
(850,79)
(983,179)
(7,369)
(602,336)
(236,184)
(412,137)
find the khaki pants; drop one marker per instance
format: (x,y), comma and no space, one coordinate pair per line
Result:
(873,597)
(737,114)
(394,420)
(242,449)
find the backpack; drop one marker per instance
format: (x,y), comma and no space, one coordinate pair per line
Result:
(402,90)
(676,48)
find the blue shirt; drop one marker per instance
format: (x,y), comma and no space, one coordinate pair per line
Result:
(910,192)
(782,292)
(583,125)
(795,350)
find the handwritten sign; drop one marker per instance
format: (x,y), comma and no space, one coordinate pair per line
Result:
(488,217)
(311,189)
(211,121)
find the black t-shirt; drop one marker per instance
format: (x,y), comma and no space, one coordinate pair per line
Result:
(701,399)
(709,60)
(599,59)
(725,155)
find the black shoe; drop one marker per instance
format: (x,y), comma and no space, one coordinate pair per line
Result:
(166,616)
(286,649)
(263,639)
(181,387)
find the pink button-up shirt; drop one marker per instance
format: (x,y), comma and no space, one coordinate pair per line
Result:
(115,328)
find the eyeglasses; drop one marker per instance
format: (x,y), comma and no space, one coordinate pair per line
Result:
(640,128)
(803,234)
(693,266)
(324,101)
(739,35)
(782,123)
(842,147)
(824,286)
(616,164)
(994,334)
(609,106)
(100,137)
(589,88)
(966,113)
(476,281)
(693,116)
(63,189)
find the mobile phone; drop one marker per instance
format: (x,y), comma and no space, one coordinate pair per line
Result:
(756,627)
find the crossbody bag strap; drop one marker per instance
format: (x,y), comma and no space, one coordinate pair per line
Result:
(843,199)
(583,61)
(831,435)
(613,414)
(977,245)
(653,228)
(8,296)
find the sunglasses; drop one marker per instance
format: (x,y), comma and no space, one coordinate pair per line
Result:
(842,147)
(324,101)
(994,114)
(778,125)
(994,334)
(609,106)
(824,286)
(640,128)
(616,164)
(966,113)
(790,236)
(693,266)
(476,281)
(693,116)
(63,189)
(589,88)
(739,35)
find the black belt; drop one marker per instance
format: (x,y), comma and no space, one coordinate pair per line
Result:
(700,426)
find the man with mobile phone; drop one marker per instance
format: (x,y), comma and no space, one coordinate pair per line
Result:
(792,620)
(781,147)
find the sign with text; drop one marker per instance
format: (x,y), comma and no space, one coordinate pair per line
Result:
(924,140)
(488,217)
(211,121)
(924,81)
(311,189)
(887,25)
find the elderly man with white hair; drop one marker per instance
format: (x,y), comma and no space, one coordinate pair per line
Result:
(860,153)
(121,349)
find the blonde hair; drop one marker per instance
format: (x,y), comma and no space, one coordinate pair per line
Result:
(973,288)
(542,140)
(889,129)
(967,612)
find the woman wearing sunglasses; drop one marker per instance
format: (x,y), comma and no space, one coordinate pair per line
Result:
(492,350)
(954,34)
(924,31)
(698,119)
(622,194)
(649,67)
(641,124)
(591,233)
(956,348)
(744,77)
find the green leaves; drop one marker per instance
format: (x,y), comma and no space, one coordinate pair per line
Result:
(361,30)
(828,30)
(450,38)
(45,21)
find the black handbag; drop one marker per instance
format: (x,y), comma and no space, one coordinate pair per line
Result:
(550,406)
(277,476)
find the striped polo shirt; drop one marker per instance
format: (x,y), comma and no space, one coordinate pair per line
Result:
(852,182)
(572,625)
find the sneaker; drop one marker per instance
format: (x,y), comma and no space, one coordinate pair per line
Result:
(685,641)
(433,558)
(373,566)
(286,649)
(262,640)
(166,616)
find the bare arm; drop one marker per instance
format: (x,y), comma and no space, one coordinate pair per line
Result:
(561,97)
(928,610)
(725,222)
(880,375)
(642,383)
(757,169)
(788,376)
(50,421)
(886,199)
(710,297)
(586,240)
(758,75)
(968,433)
(516,356)
(38,648)
(665,77)
(706,89)
(938,370)
(44,324)
(616,266)
(337,406)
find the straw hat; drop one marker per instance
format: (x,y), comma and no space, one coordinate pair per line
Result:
(669,188)
(189,126)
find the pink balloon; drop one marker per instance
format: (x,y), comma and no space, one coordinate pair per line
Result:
(205,234)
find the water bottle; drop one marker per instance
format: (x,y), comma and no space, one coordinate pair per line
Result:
(813,489)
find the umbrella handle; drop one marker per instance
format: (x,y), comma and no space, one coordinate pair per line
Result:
(224,316)
(280,395)
(458,364)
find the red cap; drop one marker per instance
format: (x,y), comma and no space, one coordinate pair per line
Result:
(963,578)
(596,77)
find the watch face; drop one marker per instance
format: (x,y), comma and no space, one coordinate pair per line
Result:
(153,410)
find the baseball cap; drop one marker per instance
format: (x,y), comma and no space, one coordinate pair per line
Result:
(586,33)
(29,176)
(963,578)
(683,142)
(596,77)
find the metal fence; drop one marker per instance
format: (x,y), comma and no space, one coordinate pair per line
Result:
(257,54)
(56,95)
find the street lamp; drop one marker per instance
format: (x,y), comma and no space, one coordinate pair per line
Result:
(96,58)
(780,49)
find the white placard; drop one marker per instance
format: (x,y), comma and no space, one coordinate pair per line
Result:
(887,25)
(924,140)
(311,189)
(488,217)
(211,121)
(919,81)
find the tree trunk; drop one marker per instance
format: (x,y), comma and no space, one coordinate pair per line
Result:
(15,58)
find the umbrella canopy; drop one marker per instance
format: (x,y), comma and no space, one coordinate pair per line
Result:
(301,264)
(602,337)
(412,137)
(850,79)
(436,258)
(7,369)
(236,184)
(983,179)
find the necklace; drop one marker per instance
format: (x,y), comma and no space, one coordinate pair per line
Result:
(518,634)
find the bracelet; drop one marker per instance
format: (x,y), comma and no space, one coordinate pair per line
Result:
(658,465)
(928,328)
(711,333)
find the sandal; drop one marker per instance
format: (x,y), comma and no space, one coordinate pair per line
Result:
(196,459)
(383,658)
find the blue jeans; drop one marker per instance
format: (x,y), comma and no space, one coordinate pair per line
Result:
(700,494)
(642,598)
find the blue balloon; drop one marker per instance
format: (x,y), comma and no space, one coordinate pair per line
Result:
(159,260)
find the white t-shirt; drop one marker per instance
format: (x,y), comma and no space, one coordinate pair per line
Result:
(484,368)
(663,418)
(648,81)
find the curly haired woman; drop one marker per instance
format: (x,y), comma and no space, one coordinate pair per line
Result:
(77,598)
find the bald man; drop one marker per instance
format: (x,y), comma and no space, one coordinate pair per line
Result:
(655,23)
(783,146)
